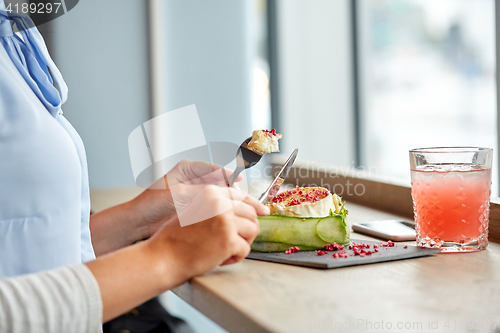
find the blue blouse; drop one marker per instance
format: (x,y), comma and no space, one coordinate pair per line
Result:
(44,190)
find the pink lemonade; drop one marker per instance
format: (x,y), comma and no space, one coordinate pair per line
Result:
(451,205)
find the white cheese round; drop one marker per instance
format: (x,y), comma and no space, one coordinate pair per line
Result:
(320,208)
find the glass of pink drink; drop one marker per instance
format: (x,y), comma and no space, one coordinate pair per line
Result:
(451,189)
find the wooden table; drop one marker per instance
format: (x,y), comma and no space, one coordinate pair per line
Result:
(438,290)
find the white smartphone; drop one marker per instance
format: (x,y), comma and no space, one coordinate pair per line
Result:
(387,229)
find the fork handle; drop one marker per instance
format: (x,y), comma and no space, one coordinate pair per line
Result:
(235,175)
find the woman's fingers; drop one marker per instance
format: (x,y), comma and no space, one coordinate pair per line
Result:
(230,261)
(244,210)
(260,209)
(203,172)
(219,175)
(240,252)
(247,229)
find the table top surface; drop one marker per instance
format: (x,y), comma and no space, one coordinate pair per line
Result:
(445,292)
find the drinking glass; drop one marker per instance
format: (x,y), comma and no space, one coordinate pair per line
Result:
(451,187)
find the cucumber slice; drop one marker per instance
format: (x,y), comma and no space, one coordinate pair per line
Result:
(332,228)
(306,233)
(289,230)
(277,247)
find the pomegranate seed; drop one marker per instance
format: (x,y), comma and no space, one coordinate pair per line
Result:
(293,249)
(271,132)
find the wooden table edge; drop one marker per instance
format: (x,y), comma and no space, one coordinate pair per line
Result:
(217,309)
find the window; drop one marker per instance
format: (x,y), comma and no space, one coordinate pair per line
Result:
(261,107)
(361,82)
(427,78)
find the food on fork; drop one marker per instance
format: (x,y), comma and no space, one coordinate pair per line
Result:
(264,141)
(307,217)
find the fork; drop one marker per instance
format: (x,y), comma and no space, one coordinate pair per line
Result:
(245,159)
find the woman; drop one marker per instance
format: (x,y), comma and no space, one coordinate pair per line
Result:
(44,212)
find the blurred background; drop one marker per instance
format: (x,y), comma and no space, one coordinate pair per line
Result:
(348,82)
(352,83)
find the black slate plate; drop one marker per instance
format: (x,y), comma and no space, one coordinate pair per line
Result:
(311,259)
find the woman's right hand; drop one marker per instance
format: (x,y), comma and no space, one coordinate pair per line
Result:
(224,237)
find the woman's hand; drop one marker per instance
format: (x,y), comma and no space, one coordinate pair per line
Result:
(141,217)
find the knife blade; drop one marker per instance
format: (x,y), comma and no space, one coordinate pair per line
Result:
(275,186)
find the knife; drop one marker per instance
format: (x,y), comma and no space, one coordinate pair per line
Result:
(275,186)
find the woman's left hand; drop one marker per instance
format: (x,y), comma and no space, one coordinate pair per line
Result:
(141,217)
